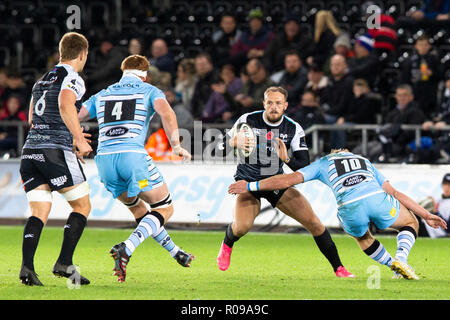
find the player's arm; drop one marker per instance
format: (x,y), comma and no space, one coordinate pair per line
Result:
(433,220)
(69,115)
(30,113)
(170,125)
(84,115)
(277,182)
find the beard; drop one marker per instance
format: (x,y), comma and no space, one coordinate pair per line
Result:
(274,117)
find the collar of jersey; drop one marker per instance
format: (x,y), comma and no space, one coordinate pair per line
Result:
(65,65)
(270,123)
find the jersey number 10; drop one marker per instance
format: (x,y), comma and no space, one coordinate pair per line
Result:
(348,165)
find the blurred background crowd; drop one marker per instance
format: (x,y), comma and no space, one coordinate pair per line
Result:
(383,63)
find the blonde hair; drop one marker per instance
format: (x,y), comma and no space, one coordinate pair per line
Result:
(325,20)
(136,62)
(276,89)
(71,45)
(339,150)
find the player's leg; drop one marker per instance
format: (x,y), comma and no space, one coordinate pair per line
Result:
(374,249)
(40,201)
(78,198)
(246,209)
(407,226)
(296,206)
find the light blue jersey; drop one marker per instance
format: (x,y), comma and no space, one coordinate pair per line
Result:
(357,187)
(123,112)
(348,175)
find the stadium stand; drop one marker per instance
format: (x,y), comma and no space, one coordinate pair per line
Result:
(30,31)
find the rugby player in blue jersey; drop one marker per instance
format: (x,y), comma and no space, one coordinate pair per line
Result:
(123,111)
(363,195)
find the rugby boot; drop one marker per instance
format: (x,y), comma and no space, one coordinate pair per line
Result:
(29,277)
(121,260)
(223,259)
(184,258)
(69,271)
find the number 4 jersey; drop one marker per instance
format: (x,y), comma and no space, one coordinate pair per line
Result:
(123,111)
(350,177)
(49,130)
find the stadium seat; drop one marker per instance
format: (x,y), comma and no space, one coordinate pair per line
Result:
(219,8)
(297,7)
(188,33)
(277,11)
(337,8)
(49,35)
(181,11)
(202,11)
(241,10)
(177,52)
(5,56)
(98,13)
(353,11)
(395,8)
(29,35)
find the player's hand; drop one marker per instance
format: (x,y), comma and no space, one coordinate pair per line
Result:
(281,149)
(238,187)
(83,148)
(435,221)
(243,142)
(181,152)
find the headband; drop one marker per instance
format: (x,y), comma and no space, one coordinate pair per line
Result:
(135,72)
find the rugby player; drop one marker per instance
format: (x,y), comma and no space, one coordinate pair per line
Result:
(273,132)
(363,195)
(50,158)
(123,111)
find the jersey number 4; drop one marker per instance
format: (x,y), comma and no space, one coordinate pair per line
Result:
(344,166)
(119,110)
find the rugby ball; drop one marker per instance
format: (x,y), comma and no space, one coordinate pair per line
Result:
(248,133)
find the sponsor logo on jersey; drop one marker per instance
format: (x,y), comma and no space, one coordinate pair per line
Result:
(270,135)
(116,131)
(59,181)
(353,180)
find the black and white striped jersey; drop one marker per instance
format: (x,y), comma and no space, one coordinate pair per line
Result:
(49,130)
(264,161)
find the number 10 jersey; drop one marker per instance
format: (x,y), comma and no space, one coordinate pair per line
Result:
(123,111)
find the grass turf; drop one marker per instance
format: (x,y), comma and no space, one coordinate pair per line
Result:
(264,266)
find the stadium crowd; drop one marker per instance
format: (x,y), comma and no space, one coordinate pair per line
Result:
(342,62)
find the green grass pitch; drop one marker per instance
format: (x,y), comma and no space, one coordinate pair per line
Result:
(264,266)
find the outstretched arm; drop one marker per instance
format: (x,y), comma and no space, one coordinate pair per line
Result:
(431,219)
(277,182)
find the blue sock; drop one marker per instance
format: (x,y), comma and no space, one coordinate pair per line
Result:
(405,241)
(166,242)
(377,252)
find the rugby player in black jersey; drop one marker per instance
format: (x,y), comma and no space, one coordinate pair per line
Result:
(273,132)
(50,158)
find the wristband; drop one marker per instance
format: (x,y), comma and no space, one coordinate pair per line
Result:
(253,186)
(287,160)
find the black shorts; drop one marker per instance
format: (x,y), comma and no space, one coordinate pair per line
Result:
(271,196)
(55,167)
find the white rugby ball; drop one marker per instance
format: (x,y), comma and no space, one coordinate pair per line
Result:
(248,133)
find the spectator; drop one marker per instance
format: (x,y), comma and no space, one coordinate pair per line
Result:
(217,108)
(336,97)
(186,80)
(159,148)
(206,77)
(422,71)
(441,147)
(135,46)
(325,33)
(224,39)
(364,107)
(440,207)
(251,95)
(161,57)
(342,46)
(107,69)
(395,140)
(433,15)
(253,42)
(317,82)
(15,86)
(292,39)
(8,135)
(294,77)
(385,35)
(3,83)
(365,63)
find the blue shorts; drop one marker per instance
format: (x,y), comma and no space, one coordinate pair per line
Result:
(382,209)
(128,171)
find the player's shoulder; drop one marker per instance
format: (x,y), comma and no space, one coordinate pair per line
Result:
(293,123)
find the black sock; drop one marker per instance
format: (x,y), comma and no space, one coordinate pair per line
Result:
(72,233)
(31,235)
(154,213)
(328,249)
(230,238)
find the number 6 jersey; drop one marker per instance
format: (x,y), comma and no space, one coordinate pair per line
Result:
(350,177)
(123,112)
(49,130)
